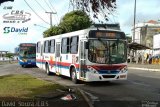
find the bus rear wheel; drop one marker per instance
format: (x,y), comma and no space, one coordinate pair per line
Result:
(73,75)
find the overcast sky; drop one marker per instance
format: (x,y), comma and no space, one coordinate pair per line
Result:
(146,10)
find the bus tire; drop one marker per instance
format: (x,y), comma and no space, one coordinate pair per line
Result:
(47,70)
(23,66)
(74,76)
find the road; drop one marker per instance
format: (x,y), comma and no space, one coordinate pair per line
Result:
(142,87)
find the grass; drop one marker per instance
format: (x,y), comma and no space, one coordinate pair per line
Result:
(24,86)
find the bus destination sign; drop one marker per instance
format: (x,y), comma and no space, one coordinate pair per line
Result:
(106,34)
(26,44)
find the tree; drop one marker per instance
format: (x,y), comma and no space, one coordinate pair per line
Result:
(73,21)
(9,55)
(129,39)
(97,7)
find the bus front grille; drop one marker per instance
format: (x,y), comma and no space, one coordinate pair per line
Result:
(108,76)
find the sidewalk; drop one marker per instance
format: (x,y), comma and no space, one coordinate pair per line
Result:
(149,67)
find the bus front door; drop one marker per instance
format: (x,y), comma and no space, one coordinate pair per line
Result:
(39,55)
(58,59)
(82,60)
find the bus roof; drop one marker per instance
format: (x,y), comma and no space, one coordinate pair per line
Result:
(79,32)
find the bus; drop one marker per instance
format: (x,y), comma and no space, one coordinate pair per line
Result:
(93,54)
(27,54)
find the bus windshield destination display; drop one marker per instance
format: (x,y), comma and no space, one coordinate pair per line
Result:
(105,34)
(27,44)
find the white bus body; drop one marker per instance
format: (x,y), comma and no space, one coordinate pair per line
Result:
(84,55)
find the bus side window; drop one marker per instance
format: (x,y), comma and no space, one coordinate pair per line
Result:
(38,47)
(46,46)
(74,45)
(68,45)
(49,46)
(65,46)
(52,47)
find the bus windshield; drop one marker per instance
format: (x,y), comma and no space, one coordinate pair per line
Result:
(27,51)
(107,51)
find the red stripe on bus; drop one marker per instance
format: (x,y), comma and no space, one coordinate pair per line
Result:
(59,63)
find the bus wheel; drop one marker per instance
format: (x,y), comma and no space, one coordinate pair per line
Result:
(73,75)
(47,70)
(23,66)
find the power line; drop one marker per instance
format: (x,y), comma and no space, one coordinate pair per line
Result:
(50,13)
(52,5)
(36,13)
(51,10)
(48,5)
(40,5)
(55,11)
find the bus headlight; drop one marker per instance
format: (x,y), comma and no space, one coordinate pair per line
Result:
(92,70)
(125,69)
(23,60)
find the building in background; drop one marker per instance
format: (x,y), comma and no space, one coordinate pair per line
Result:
(2,55)
(143,45)
(156,44)
(144,32)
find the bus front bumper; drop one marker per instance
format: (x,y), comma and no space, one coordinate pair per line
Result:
(27,63)
(105,77)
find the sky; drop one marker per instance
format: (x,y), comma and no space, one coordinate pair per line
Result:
(39,20)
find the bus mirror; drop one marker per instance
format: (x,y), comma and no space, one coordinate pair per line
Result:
(87,45)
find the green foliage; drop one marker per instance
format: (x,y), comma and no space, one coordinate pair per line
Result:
(9,55)
(55,30)
(129,39)
(73,21)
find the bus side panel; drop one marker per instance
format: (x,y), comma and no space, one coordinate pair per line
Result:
(39,57)
(65,64)
(38,61)
(51,62)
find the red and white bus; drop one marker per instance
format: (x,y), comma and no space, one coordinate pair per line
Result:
(93,54)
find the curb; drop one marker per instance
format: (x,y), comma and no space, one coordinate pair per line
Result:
(81,91)
(85,97)
(145,69)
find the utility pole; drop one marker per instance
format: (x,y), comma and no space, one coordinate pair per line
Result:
(134,28)
(51,17)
